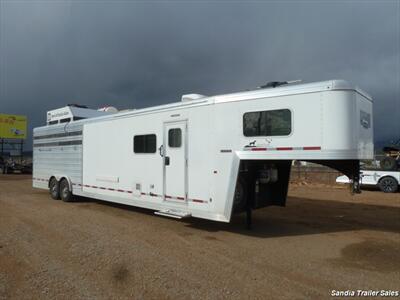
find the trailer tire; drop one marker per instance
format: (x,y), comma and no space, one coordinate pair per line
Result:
(54,189)
(388,184)
(65,191)
(388,163)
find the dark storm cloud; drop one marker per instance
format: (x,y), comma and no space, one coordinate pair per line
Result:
(136,54)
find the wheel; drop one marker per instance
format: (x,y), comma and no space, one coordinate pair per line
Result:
(65,192)
(388,163)
(54,189)
(388,185)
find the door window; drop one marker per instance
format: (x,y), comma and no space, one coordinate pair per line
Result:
(175,138)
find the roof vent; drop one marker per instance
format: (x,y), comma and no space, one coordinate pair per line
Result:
(191,97)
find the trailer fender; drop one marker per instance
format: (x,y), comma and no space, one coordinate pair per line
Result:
(60,177)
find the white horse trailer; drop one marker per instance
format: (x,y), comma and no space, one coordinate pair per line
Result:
(205,157)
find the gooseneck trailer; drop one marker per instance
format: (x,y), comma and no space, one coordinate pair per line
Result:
(205,156)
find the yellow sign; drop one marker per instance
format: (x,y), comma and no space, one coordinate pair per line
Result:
(12,126)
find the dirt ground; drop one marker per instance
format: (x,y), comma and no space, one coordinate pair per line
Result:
(323,240)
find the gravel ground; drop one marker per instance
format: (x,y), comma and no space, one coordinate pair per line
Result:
(323,240)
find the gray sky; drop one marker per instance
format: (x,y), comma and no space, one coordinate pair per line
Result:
(138,54)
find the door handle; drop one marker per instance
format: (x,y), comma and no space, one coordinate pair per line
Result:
(161,149)
(166,160)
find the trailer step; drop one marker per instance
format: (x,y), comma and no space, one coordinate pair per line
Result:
(172,213)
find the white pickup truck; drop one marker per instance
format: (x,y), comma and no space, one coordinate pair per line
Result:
(387,181)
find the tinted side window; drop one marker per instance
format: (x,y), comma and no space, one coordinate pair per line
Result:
(175,137)
(145,143)
(267,123)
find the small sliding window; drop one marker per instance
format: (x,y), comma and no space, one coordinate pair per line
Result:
(146,143)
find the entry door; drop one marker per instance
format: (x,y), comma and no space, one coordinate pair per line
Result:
(175,161)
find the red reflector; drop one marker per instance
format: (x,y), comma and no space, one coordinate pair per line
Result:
(258,149)
(311,148)
(284,148)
